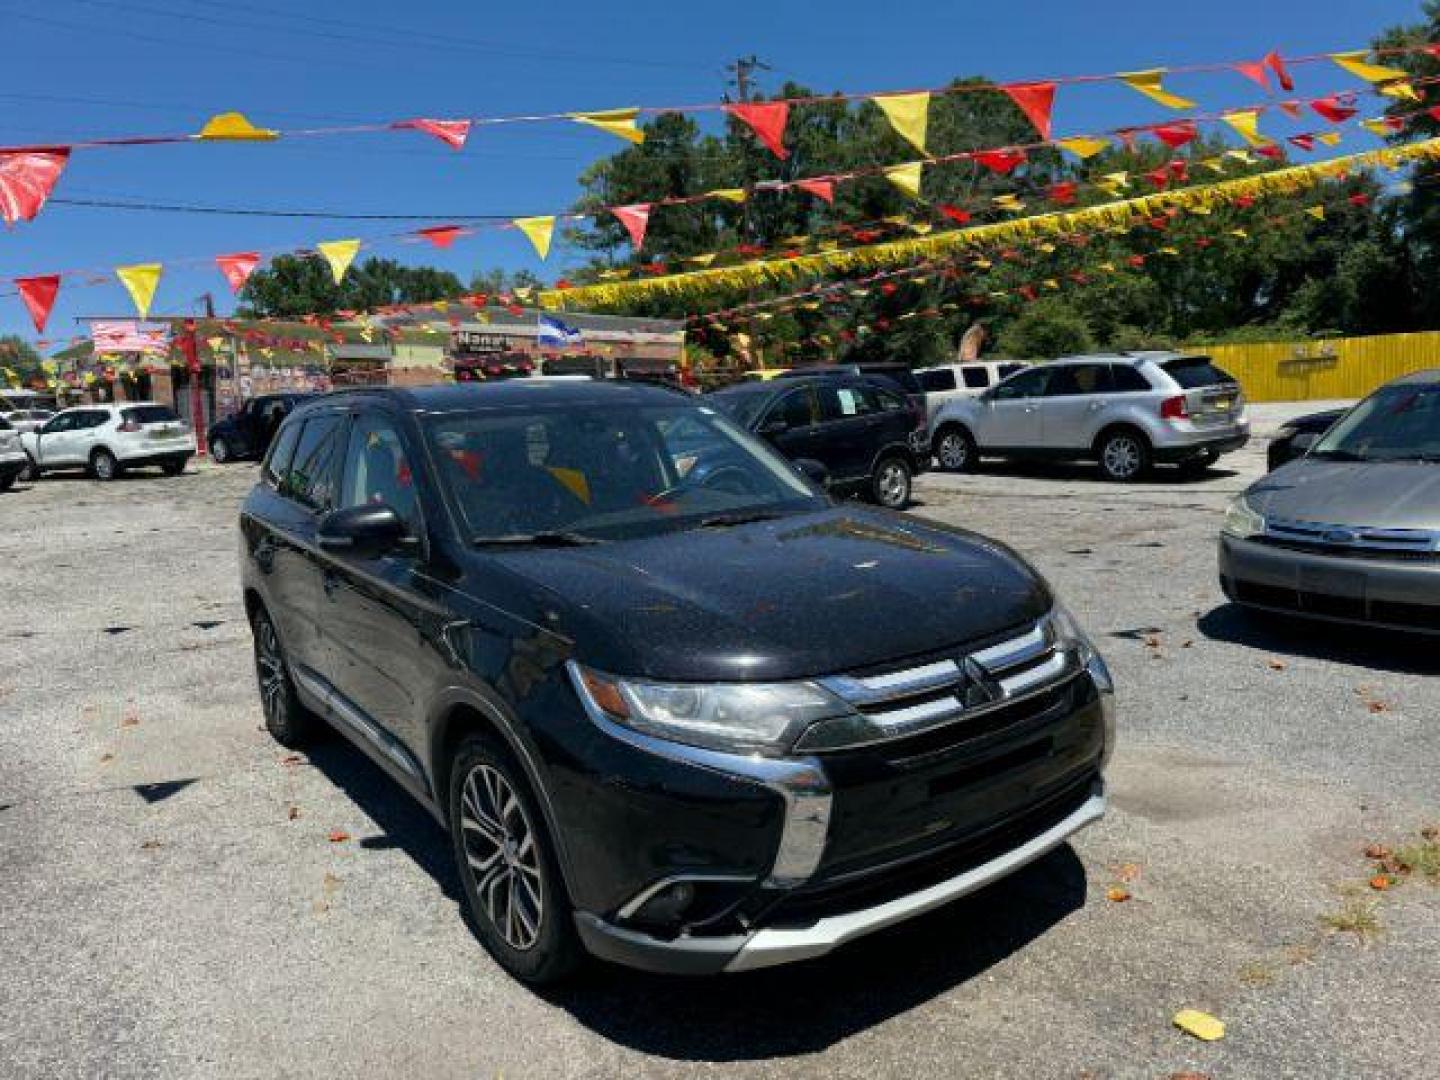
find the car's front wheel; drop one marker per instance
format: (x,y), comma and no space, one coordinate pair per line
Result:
(955,449)
(173,467)
(508,866)
(890,486)
(1124,456)
(220,451)
(103,465)
(31,472)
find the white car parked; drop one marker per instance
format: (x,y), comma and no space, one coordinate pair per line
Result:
(28,419)
(946,382)
(105,440)
(12,458)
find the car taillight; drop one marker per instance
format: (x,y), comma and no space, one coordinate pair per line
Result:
(1174,408)
(129,427)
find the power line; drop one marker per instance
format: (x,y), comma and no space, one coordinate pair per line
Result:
(245,211)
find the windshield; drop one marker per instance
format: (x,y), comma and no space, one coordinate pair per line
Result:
(743,404)
(608,471)
(1397,423)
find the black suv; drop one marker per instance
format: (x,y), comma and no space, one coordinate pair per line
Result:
(247,432)
(861,430)
(683,718)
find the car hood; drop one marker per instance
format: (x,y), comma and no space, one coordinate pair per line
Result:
(796,597)
(1398,495)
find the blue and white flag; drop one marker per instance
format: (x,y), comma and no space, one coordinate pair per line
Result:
(554,332)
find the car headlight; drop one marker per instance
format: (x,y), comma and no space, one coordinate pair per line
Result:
(1241,520)
(746,718)
(1069,636)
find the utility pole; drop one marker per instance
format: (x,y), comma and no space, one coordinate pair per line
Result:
(743,71)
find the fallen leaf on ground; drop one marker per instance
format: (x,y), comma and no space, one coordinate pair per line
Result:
(1201,1025)
(1380,882)
(338,836)
(1117,894)
(1377,851)
(105,759)
(149,845)
(1430,832)
(1189,1076)
(291,759)
(293,813)
(1278,665)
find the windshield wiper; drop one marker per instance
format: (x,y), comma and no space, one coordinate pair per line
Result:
(1339,455)
(539,539)
(725,521)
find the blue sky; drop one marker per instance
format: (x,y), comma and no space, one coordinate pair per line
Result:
(83,68)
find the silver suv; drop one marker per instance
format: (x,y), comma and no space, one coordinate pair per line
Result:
(1125,411)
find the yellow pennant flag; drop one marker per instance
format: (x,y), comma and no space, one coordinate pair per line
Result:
(702,260)
(906,177)
(1401,90)
(1242,156)
(339,254)
(731,194)
(1009,203)
(1378,128)
(1329,138)
(1214,164)
(1247,123)
(1317,212)
(1241,233)
(909,115)
(619,122)
(1149,84)
(235,127)
(1051,283)
(1354,62)
(140,282)
(921,227)
(539,230)
(1083,146)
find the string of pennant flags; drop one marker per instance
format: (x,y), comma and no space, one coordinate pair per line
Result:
(141,280)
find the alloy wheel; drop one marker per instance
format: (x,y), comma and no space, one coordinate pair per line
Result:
(270,668)
(220,451)
(893,484)
(104,466)
(502,856)
(1123,457)
(954,454)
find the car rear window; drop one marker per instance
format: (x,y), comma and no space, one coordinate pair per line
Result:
(937,380)
(150,414)
(896,373)
(1195,372)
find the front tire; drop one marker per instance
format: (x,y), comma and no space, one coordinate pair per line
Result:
(289,722)
(955,450)
(31,472)
(220,452)
(890,484)
(1124,456)
(103,466)
(7,481)
(507,864)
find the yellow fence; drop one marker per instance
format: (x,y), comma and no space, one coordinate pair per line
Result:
(1325,370)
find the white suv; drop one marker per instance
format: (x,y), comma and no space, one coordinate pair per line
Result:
(12,457)
(105,440)
(1124,411)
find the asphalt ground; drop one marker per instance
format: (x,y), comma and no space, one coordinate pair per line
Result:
(172,902)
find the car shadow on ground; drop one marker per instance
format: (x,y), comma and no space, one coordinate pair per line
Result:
(1161,475)
(797,1009)
(1290,635)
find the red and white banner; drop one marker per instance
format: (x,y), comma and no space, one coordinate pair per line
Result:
(129,337)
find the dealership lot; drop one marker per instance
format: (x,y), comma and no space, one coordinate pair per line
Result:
(180,896)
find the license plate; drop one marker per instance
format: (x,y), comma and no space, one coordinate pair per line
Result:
(164,433)
(1223,404)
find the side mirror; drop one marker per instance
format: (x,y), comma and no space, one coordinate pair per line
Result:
(1305,442)
(364,531)
(814,470)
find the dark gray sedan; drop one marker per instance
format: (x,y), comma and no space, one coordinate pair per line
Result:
(1351,531)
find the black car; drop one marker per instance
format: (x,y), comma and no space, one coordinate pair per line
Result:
(246,434)
(690,725)
(1283,449)
(861,431)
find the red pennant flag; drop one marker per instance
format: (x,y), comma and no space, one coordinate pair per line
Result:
(1028,292)
(237,268)
(1177,134)
(26,179)
(1180,170)
(1036,100)
(1304,142)
(1160,177)
(1064,194)
(1276,64)
(955,214)
(767,120)
(39,296)
(1359,200)
(1245,202)
(821,189)
(442,236)
(451,132)
(635,218)
(1257,70)
(1332,108)
(1290,108)
(1136,260)
(1000,161)
(1271,151)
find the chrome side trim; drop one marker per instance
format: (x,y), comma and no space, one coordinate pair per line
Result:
(895,684)
(801,782)
(338,708)
(768,947)
(636,902)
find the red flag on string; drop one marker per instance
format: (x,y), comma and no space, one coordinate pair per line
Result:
(1276,63)
(1160,177)
(238,267)
(39,296)
(26,179)
(451,132)
(767,119)
(1304,142)
(1177,134)
(1271,151)
(1290,108)
(1359,200)
(1332,108)
(1257,70)
(954,213)
(1063,193)
(821,189)
(442,236)
(1037,101)
(1000,161)
(636,219)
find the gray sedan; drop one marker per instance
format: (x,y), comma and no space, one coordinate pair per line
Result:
(1351,531)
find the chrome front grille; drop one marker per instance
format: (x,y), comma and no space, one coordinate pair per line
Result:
(1353,539)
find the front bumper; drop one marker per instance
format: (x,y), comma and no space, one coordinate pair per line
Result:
(770,946)
(1396,593)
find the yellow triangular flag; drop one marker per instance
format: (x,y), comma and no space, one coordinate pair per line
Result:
(1241,233)
(909,115)
(1247,123)
(235,127)
(1051,283)
(1148,83)
(731,194)
(1243,156)
(1010,203)
(1378,128)
(339,254)
(1169,251)
(1084,147)
(1329,138)
(1214,164)
(1354,62)
(539,230)
(1402,90)
(906,177)
(1317,212)
(140,281)
(619,122)
(702,260)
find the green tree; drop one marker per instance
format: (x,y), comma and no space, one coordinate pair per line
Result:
(1046,329)
(291,287)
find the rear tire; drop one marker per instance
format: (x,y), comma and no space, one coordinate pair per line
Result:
(8,481)
(955,449)
(1124,456)
(289,722)
(890,483)
(31,472)
(220,452)
(173,468)
(506,860)
(103,465)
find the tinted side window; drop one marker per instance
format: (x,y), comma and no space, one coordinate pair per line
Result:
(1128,380)
(843,402)
(377,469)
(310,478)
(888,400)
(976,378)
(1027,384)
(796,409)
(939,379)
(1006,370)
(91,418)
(150,414)
(277,462)
(1073,380)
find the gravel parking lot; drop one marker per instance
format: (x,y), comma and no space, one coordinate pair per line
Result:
(181,897)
